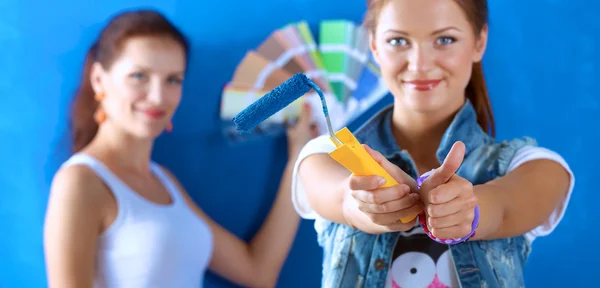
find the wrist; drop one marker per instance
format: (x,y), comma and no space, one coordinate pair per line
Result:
(294,149)
(492,205)
(422,218)
(292,157)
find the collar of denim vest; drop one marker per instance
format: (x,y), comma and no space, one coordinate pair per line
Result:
(464,127)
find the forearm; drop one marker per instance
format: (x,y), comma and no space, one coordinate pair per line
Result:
(324,181)
(517,203)
(270,247)
(492,209)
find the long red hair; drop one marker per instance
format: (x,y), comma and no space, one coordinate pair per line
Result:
(476,91)
(107,48)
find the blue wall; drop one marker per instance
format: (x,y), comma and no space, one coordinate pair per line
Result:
(541,64)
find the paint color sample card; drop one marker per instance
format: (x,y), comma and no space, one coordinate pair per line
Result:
(254,76)
(359,55)
(301,52)
(321,71)
(335,42)
(277,49)
(258,72)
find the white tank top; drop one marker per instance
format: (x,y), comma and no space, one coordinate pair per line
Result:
(149,245)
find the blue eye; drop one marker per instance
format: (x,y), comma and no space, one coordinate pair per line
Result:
(398,42)
(445,41)
(175,80)
(138,76)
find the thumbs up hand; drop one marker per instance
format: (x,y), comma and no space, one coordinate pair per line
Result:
(448,199)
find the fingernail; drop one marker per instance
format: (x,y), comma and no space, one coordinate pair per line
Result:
(381,181)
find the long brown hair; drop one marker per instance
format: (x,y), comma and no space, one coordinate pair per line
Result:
(105,50)
(476,91)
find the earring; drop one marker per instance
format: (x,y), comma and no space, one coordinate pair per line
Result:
(169,127)
(99,116)
(99,96)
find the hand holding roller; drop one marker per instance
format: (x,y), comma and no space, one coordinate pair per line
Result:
(349,152)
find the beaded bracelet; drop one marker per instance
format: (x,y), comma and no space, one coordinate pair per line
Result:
(423,222)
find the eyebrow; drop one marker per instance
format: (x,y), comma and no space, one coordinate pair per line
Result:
(144,68)
(433,33)
(139,67)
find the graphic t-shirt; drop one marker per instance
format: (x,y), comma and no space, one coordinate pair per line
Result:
(418,261)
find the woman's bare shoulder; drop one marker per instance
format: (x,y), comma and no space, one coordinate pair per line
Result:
(78,187)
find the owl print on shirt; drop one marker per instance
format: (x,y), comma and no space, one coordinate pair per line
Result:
(420,262)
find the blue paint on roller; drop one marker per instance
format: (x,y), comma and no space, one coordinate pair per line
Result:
(277,99)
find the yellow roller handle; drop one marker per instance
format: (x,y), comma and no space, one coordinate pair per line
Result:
(352,155)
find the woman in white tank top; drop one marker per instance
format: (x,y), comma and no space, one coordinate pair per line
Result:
(117,219)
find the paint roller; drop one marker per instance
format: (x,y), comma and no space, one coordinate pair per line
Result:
(348,152)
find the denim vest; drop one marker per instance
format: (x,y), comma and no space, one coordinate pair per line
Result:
(356,259)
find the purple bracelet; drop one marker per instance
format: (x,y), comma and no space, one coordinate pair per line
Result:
(423,223)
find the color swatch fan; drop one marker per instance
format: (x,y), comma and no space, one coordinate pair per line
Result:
(341,64)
